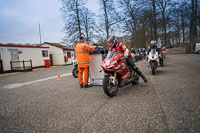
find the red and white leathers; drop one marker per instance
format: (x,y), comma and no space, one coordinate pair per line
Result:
(122,48)
(126,54)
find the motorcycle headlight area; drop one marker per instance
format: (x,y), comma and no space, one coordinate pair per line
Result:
(107,62)
(110,66)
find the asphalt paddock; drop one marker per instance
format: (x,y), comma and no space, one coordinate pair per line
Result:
(38,102)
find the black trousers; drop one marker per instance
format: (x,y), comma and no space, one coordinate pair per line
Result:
(133,66)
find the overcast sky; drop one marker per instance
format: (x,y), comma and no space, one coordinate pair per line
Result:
(19,20)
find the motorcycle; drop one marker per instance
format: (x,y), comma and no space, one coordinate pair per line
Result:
(137,56)
(117,73)
(142,55)
(153,60)
(75,69)
(164,53)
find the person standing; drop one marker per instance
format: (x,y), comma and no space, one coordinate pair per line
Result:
(82,50)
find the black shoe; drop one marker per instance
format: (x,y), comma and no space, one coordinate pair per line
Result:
(144,78)
(86,86)
(81,85)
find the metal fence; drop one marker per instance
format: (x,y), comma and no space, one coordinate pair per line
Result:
(26,65)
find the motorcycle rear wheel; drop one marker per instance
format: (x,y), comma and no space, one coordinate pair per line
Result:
(108,88)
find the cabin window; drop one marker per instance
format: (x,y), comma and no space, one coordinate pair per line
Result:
(69,54)
(45,53)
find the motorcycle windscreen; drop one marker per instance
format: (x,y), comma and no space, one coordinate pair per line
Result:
(153,52)
(110,55)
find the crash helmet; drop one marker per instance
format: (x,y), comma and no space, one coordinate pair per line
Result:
(153,44)
(82,37)
(112,42)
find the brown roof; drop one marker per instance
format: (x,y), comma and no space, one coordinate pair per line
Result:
(55,44)
(69,49)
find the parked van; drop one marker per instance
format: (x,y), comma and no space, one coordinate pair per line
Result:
(197,48)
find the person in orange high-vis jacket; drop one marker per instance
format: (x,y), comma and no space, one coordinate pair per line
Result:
(82,50)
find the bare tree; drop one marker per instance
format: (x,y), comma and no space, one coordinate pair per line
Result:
(176,14)
(129,17)
(154,19)
(193,21)
(72,10)
(137,20)
(184,9)
(89,25)
(163,5)
(109,16)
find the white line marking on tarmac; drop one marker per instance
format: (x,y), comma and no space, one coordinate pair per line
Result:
(15,85)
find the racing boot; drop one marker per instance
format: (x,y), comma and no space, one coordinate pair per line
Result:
(144,78)
(132,64)
(141,75)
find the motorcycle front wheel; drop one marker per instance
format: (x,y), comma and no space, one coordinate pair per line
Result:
(75,72)
(109,88)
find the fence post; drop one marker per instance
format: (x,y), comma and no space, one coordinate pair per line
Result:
(23,65)
(11,65)
(31,64)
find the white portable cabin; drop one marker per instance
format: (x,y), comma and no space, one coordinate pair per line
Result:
(18,54)
(59,54)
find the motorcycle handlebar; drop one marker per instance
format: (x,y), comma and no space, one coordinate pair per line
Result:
(123,60)
(118,60)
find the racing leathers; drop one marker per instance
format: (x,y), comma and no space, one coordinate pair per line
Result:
(127,56)
(160,53)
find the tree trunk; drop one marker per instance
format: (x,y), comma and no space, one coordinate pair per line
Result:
(154,20)
(78,17)
(195,21)
(192,23)
(169,34)
(86,26)
(164,28)
(106,19)
(183,26)
(178,29)
(151,29)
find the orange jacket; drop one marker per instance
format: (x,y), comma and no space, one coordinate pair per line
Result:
(82,54)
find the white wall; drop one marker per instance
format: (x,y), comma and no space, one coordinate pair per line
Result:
(53,49)
(57,53)
(34,54)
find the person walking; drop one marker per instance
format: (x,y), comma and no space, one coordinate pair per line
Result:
(82,50)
